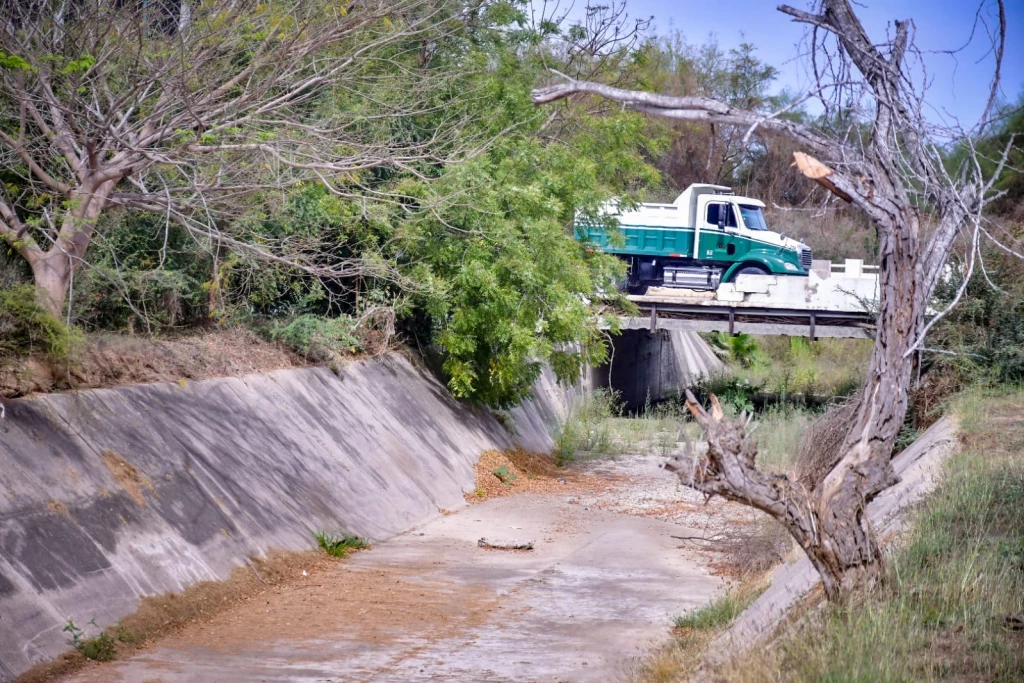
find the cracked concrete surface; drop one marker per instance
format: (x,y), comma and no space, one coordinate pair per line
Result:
(598,591)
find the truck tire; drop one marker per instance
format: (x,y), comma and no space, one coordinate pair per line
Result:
(638,290)
(749,270)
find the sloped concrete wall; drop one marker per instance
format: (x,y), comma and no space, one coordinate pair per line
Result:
(113,494)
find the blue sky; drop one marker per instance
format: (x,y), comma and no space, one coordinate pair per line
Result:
(960,85)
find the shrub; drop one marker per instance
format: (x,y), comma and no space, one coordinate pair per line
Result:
(100,648)
(741,348)
(319,339)
(25,326)
(338,545)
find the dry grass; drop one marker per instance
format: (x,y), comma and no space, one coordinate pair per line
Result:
(943,610)
(505,473)
(128,476)
(821,444)
(833,235)
(692,632)
(106,360)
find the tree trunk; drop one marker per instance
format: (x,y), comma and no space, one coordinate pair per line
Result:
(52,274)
(847,549)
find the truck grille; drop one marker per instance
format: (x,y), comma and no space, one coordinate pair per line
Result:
(806,258)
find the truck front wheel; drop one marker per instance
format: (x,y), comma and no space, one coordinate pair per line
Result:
(749,270)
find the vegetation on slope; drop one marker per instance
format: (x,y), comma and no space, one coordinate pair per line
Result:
(950,604)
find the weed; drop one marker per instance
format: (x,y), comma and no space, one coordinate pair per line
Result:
(123,635)
(338,545)
(778,433)
(504,475)
(318,339)
(585,429)
(718,613)
(99,648)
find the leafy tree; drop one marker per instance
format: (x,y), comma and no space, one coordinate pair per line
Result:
(188,109)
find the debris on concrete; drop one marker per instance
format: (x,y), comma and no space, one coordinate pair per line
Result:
(494,544)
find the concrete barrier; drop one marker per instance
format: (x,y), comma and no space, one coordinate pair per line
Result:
(111,495)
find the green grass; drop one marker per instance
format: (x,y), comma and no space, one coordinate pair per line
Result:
(939,612)
(718,613)
(789,366)
(596,428)
(338,545)
(585,431)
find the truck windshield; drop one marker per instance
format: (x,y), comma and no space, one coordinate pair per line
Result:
(753,217)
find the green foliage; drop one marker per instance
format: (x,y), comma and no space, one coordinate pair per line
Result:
(986,328)
(740,348)
(339,545)
(317,338)
(508,288)
(99,648)
(1008,127)
(25,326)
(144,275)
(504,475)
(793,369)
(718,613)
(13,63)
(475,258)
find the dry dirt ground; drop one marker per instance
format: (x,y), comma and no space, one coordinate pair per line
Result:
(108,360)
(599,590)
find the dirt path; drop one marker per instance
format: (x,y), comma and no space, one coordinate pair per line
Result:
(600,588)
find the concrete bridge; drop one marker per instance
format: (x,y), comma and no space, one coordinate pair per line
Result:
(835,300)
(660,352)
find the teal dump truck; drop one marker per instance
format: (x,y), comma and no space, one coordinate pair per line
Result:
(707,236)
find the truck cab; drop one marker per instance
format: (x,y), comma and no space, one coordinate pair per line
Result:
(707,236)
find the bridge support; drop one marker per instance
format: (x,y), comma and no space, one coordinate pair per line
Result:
(651,366)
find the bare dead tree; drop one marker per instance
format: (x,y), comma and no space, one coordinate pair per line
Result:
(188,109)
(892,169)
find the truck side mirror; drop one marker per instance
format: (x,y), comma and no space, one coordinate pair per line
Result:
(721,216)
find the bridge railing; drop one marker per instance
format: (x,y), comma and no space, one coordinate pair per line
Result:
(853,268)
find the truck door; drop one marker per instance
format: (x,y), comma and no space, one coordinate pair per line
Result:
(719,243)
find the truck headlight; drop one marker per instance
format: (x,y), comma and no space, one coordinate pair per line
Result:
(789,266)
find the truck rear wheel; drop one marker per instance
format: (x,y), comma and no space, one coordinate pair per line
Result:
(638,290)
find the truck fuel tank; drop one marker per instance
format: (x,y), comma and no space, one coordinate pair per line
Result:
(692,277)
